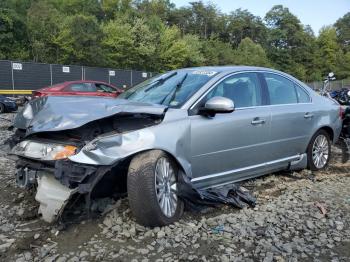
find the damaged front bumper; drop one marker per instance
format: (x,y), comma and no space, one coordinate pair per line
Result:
(57,184)
(52,196)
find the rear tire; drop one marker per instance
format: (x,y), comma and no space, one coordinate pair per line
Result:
(319,151)
(145,198)
(2,108)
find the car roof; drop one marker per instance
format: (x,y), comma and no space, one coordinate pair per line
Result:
(86,81)
(230,68)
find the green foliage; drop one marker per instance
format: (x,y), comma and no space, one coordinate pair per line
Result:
(242,24)
(43,26)
(175,51)
(78,41)
(13,38)
(217,52)
(328,49)
(343,31)
(154,35)
(249,53)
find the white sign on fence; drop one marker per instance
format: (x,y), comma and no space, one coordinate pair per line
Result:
(112,73)
(65,69)
(144,75)
(16,66)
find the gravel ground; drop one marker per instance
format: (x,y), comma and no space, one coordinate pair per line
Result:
(300,216)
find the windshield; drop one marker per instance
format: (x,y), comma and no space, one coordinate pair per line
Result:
(172,89)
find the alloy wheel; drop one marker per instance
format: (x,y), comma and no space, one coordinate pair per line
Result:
(165,185)
(320,151)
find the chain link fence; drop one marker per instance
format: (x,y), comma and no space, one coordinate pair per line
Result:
(20,78)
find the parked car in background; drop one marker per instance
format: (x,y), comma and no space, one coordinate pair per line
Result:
(79,88)
(208,126)
(7,104)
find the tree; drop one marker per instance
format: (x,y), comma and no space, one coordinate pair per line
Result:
(43,26)
(115,8)
(176,52)
(328,49)
(289,44)
(117,43)
(242,24)
(343,31)
(216,52)
(159,8)
(78,41)
(249,53)
(82,7)
(13,39)
(127,45)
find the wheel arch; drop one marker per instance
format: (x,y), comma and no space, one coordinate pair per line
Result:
(329,131)
(180,163)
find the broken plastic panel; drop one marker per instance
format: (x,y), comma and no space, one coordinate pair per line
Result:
(197,199)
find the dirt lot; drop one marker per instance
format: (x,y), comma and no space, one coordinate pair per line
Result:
(288,224)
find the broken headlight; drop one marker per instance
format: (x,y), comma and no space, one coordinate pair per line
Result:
(43,151)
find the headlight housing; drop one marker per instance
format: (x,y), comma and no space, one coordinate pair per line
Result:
(44,151)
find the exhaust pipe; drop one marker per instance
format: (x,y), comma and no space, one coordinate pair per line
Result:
(25,178)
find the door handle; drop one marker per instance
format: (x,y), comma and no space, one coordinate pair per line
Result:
(308,115)
(258,121)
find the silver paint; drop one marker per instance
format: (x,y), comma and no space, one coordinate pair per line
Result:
(211,151)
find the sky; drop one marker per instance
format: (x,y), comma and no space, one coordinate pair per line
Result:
(315,13)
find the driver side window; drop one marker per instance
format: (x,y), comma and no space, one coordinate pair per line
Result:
(243,89)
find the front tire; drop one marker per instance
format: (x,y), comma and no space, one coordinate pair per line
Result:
(319,151)
(151,184)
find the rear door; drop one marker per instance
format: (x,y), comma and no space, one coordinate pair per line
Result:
(292,116)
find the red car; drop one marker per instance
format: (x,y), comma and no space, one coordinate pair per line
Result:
(79,88)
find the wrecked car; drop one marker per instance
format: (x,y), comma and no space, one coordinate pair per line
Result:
(207,126)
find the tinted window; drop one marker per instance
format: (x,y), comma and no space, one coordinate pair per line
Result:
(82,87)
(243,89)
(303,97)
(281,90)
(104,88)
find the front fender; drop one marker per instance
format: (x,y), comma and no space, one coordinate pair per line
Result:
(169,137)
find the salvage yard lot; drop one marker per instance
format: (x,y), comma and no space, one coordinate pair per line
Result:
(287,224)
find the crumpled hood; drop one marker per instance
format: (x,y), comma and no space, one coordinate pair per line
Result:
(55,113)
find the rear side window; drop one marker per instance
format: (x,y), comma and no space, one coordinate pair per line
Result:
(82,87)
(104,88)
(303,97)
(281,90)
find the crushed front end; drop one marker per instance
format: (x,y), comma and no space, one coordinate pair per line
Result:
(43,144)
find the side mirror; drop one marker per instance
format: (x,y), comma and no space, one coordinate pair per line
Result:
(218,104)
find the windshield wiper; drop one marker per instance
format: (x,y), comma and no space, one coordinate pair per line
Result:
(160,81)
(175,90)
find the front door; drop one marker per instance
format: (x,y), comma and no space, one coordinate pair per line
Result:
(231,146)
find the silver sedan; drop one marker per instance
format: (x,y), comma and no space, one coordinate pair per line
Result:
(212,125)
